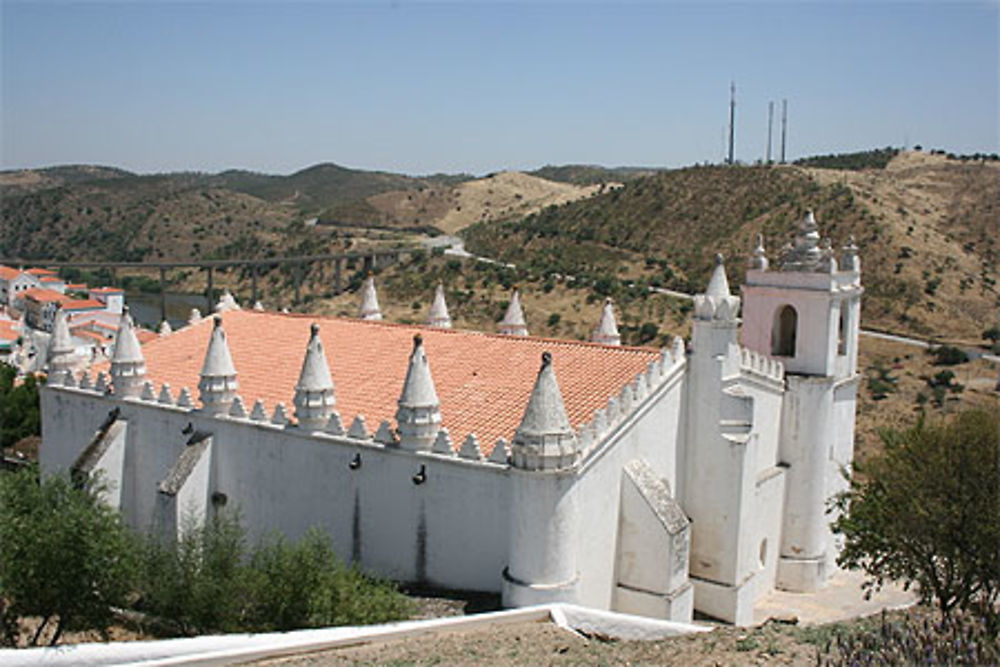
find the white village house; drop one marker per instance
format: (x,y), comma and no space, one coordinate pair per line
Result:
(649,482)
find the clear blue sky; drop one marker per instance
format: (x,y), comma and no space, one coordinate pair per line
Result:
(478,87)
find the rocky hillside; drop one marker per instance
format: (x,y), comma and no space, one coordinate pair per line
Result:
(926,226)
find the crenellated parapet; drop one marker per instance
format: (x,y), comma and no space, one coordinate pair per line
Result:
(754,363)
(632,397)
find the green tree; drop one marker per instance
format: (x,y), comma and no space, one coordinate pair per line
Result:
(20,415)
(64,555)
(927,511)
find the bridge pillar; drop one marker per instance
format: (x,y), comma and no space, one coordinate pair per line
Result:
(163,293)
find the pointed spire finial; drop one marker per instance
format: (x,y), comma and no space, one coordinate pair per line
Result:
(418,417)
(62,353)
(314,398)
(718,285)
(128,366)
(607,329)
(217,386)
(513,323)
(759,260)
(850,259)
(369,308)
(545,439)
(438,315)
(806,254)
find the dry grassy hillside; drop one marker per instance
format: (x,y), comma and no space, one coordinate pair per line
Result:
(926,226)
(501,196)
(934,269)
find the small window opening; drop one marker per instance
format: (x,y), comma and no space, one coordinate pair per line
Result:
(842,330)
(783,332)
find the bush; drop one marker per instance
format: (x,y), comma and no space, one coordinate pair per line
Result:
(20,415)
(967,639)
(925,511)
(210,582)
(64,555)
(946,355)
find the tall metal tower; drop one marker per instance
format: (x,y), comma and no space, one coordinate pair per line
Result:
(732,118)
(770,124)
(784,127)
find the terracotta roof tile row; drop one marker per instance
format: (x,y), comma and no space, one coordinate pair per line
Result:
(483,380)
(8,273)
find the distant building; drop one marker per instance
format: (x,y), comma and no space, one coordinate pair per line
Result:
(13,282)
(654,482)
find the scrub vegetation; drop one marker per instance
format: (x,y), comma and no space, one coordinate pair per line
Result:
(69,560)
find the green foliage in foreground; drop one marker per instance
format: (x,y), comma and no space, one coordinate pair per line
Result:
(211,582)
(928,512)
(64,556)
(67,558)
(20,415)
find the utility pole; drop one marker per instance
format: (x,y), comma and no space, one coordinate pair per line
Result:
(784,127)
(770,123)
(732,118)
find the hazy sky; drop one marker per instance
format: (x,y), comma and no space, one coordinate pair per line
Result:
(478,87)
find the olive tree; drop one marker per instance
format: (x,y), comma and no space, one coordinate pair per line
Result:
(927,511)
(64,555)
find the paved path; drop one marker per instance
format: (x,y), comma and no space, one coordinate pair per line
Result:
(841,599)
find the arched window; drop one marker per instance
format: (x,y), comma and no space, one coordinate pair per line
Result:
(786,322)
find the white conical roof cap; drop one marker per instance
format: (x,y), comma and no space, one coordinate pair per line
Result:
(418,387)
(315,375)
(61,343)
(718,285)
(369,309)
(438,315)
(515,315)
(218,360)
(607,328)
(127,348)
(546,413)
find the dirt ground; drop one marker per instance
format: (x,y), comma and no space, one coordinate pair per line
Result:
(547,644)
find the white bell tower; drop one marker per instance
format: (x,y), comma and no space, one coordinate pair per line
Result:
(806,314)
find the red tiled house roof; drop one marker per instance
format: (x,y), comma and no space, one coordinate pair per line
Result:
(483,380)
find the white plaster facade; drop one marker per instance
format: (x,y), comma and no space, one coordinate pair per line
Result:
(700,486)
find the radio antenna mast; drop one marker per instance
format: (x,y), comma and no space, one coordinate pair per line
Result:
(732,118)
(770,123)
(784,127)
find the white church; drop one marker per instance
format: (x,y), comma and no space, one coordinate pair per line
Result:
(652,482)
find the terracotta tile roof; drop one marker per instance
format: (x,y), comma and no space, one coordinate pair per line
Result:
(41,272)
(43,295)
(77,287)
(80,332)
(82,304)
(8,273)
(145,335)
(483,380)
(50,279)
(8,330)
(107,290)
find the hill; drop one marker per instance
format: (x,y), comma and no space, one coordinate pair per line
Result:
(22,181)
(926,227)
(589,174)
